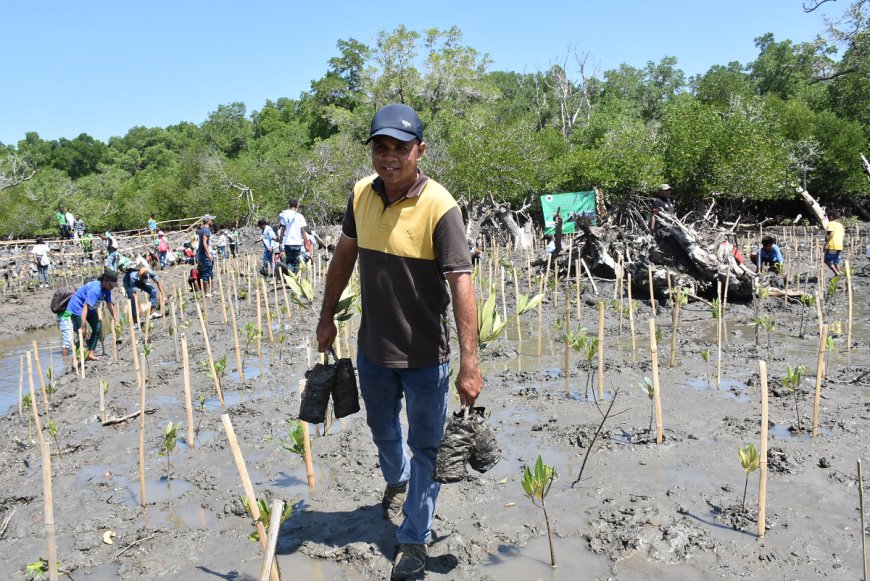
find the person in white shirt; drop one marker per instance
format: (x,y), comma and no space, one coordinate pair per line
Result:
(267,238)
(70,221)
(42,260)
(293,233)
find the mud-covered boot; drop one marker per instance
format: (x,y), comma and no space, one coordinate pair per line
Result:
(394,500)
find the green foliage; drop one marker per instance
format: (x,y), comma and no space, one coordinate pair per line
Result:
(265,514)
(792,380)
(749,460)
(537,482)
(295,438)
(39,569)
(170,438)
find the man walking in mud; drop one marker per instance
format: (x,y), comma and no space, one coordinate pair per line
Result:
(407,232)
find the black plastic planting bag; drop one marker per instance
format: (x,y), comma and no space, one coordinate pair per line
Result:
(485,454)
(345,397)
(315,398)
(455,448)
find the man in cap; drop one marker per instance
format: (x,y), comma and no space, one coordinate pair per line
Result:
(407,232)
(138,276)
(662,203)
(204,254)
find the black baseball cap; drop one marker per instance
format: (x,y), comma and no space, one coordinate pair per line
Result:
(398,121)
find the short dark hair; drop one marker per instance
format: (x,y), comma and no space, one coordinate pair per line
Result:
(833,214)
(262,222)
(294,203)
(765,240)
(39,240)
(109,276)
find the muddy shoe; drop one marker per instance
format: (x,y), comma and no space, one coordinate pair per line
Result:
(410,562)
(394,500)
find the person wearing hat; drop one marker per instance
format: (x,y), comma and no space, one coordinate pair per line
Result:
(139,275)
(662,203)
(112,255)
(204,255)
(82,306)
(406,231)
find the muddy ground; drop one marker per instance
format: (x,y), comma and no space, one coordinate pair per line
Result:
(640,510)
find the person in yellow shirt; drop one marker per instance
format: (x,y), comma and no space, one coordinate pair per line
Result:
(834,234)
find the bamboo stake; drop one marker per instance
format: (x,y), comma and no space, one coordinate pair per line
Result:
(114,343)
(820,373)
(214,375)
(306,446)
(567,338)
(82,350)
(819,315)
(239,362)
(863,526)
(147,325)
(33,409)
(102,400)
(675,326)
(654,355)
(259,333)
(176,331)
(221,290)
(186,374)
(631,316)
(141,380)
(762,464)
(49,511)
(652,297)
(849,295)
(589,275)
(577,289)
(41,377)
(600,350)
(543,288)
(277,301)
(248,487)
(719,336)
(268,311)
(21,385)
(272,541)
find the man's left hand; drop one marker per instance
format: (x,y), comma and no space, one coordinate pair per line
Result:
(468,383)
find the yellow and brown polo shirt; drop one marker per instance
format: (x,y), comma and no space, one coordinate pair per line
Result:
(405,249)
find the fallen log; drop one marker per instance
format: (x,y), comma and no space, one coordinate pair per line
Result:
(122,419)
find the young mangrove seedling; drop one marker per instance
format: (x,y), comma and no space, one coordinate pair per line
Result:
(25,403)
(146,349)
(295,438)
(750,461)
(536,485)
(716,307)
(792,382)
(170,437)
(265,514)
(39,569)
(50,386)
(251,334)
(807,300)
(767,323)
(201,401)
(649,390)
(705,355)
(52,431)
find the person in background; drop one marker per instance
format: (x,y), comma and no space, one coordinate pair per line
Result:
(139,275)
(204,255)
(834,234)
(112,255)
(234,238)
(61,222)
(162,249)
(70,219)
(152,225)
(662,203)
(87,242)
(222,242)
(78,227)
(83,306)
(266,238)
(474,251)
(293,233)
(42,260)
(768,255)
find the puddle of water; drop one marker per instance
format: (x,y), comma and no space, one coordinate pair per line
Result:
(782,432)
(204,437)
(157,490)
(189,515)
(11,349)
(532,561)
(100,573)
(250,372)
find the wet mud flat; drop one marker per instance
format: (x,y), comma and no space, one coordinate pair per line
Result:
(640,510)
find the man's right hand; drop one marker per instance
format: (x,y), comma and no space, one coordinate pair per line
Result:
(326,332)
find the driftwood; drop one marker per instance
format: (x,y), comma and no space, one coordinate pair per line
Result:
(814,206)
(866,165)
(122,419)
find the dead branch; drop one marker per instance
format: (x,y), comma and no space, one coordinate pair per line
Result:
(122,419)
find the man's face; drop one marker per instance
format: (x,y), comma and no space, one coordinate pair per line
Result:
(396,161)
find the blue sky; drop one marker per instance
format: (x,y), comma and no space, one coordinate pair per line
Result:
(101,67)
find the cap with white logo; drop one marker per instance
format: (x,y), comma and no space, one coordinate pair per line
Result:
(398,121)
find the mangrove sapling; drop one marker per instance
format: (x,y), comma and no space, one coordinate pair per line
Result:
(50,387)
(39,569)
(716,306)
(650,391)
(147,349)
(282,340)
(26,403)
(170,438)
(750,461)
(295,441)
(251,335)
(792,382)
(52,431)
(705,355)
(220,367)
(767,323)
(201,401)
(265,514)
(807,300)
(536,486)
(831,292)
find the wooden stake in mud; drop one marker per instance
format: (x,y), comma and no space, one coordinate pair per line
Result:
(577,289)
(175,331)
(141,379)
(820,373)
(185,362)
(631,316)
(220,279)
(863,526)
(542,290)
(33,409)
(49,511)
(567,338)
(41,377)
(239,363)
(589,275)
(762,463)
(248,487)
(654,355)
(20,385)
(259,334)
(849,296)
(306,446)
(652,294)
(114,343)
(82,350)
(600,350)
(719,336)
(272,541)
(214,375)
(268,311)
(675,326)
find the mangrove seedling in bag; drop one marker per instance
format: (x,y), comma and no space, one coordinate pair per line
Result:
(750,461)
(170,437)
(792,382)
(536,485)
(265,514)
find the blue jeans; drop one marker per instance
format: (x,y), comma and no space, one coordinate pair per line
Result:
(112,260)
(267,261)
(291,256)
(132,282)
(42,273)
(206,266)
(425,389)
(162,256)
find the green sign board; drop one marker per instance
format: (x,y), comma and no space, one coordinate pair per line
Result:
(568,205)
